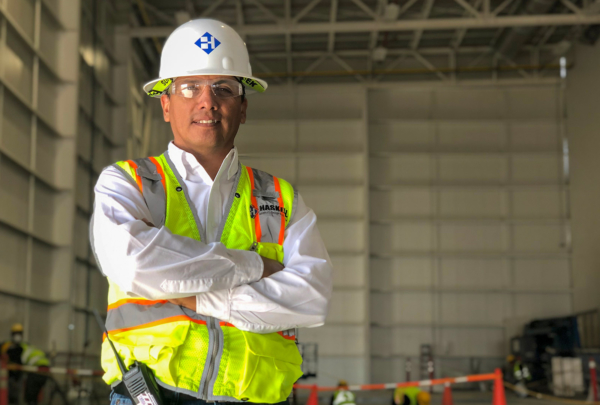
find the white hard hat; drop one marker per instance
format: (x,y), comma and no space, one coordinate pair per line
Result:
(204,47)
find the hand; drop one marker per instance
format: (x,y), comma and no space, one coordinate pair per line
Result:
(270,267)
(188,302)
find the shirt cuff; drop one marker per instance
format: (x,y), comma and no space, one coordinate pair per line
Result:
(214,303)
(248,265)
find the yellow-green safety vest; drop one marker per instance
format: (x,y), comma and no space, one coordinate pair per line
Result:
(343,397)
(190,353)
(410,392)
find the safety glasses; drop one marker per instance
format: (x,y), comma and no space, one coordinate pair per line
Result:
(221,88)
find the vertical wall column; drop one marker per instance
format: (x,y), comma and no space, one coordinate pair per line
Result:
(102,133)
(583,130)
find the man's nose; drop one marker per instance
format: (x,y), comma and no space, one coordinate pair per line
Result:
(206,99)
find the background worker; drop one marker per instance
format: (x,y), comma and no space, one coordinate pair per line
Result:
(520,374)
(211,264)
(410,396)
(21,353)
(343,396)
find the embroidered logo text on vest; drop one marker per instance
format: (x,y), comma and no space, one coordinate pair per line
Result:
(272,209)
(252,211)
(207,43)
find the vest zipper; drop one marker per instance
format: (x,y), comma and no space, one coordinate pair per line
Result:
(213,357)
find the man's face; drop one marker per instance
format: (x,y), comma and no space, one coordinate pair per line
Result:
(17,337)
(188,118)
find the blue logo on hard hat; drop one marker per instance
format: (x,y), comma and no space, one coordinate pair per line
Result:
(207,43)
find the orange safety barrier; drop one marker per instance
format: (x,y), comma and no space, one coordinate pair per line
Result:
(49,370)
(499,398)
(423,383)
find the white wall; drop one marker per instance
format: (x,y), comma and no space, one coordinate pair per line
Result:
(465,215)
(468,221)
(583,101)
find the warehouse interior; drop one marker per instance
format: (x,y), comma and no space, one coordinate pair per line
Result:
(448,147)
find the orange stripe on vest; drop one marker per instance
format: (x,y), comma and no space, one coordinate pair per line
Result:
(138,179)
(134,301)
(160,171)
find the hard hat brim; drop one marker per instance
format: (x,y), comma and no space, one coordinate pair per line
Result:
(157,87)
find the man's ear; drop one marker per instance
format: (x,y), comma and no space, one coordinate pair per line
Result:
(244,106)
(165,102)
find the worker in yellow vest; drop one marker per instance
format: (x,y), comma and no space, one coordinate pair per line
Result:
(211,264)
(343,396)
(20,353)
(411,396)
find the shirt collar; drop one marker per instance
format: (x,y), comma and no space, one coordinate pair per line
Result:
(189,168)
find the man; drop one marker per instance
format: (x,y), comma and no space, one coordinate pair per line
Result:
(411,396)
(23,354)
(520,374)
(343,396)
(211,264)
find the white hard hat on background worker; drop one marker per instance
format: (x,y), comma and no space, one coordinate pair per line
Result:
(204,47)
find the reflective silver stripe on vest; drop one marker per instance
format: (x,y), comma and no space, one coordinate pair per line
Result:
(268,206)
(132,315)
(295,204)
(229,204)
(152,190)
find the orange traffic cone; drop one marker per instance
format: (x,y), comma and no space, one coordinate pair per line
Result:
(313,398)
(499,397)
(447,398)
(593,391)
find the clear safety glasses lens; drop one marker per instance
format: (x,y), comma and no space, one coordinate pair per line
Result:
(220,88)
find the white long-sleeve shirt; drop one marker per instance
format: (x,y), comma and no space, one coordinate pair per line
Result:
(157,264)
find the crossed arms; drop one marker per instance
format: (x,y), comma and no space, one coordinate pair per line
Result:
(226,284)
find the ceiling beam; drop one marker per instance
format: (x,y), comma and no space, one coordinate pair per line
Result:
(464,4)
(361,53)
(305,11)
(571,6)
(427,7)
(502,6)
(366,9)
(460,34)
(239,16)
(429,66)
(265,11)
(211,8)
(313,66)
(347,67)
(288,39)
(401,25)
(332,22)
